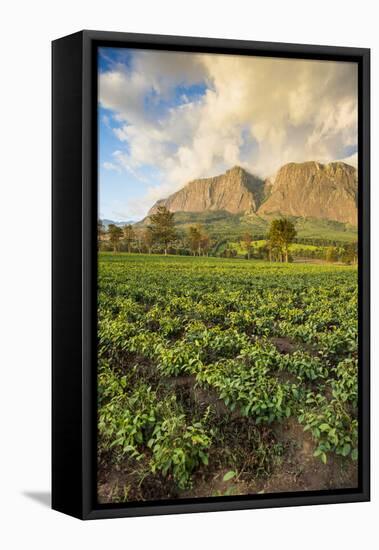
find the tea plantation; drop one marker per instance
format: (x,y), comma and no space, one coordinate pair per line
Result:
(224,376)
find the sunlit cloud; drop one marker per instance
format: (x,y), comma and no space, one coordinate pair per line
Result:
(257,112)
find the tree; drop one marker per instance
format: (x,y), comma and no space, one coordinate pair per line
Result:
(198,240)
(194,239)
(148,239)
(350,253)
(138,239)
(100,230)
(274,250)
(247,239)
(205,243)
(281,234)
(129,236)
(331,254)
(162,227)
(115,233)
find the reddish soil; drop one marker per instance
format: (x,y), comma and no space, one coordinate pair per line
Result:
(294,469)
(298,470)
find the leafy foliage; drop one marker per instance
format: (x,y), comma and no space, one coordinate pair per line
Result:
(162,227)
(115,234)
(281,234)
(216,322)
(133,419)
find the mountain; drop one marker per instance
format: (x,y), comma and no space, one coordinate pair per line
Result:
(313,190)
(235,191)
(106,222)
(305,190)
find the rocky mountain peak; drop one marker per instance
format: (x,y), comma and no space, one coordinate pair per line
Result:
(311,189)
(306,189)
(235,191)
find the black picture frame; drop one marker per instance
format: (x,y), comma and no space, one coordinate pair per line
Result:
(74,272)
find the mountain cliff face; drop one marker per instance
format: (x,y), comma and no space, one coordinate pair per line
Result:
(308,189)
(235,191)
(313,190)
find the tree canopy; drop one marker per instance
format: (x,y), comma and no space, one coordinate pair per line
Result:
(281,234)
(247,239)
(115,234)
(162,227)
(129,235)
(198,240)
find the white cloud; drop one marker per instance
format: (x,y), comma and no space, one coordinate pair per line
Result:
(111,166)
(290,110)
(352,160)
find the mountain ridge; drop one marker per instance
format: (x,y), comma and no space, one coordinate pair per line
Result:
(106,222)
(312,189)
(234,191)
(308,189)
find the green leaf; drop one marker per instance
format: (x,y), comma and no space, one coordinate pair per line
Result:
(324,427)
(346,449)
(354,454)
(229,475)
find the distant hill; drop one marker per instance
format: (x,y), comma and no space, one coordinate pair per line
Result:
(106,222)
(224,225)
(302,190)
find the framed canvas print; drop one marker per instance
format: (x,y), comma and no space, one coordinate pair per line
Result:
(210,274)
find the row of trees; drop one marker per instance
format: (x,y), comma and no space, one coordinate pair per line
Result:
(160,233)
(161,236)
(280,236)
(161,230)
(348,253)
(124,238)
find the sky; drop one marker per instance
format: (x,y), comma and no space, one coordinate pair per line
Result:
(165,118)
